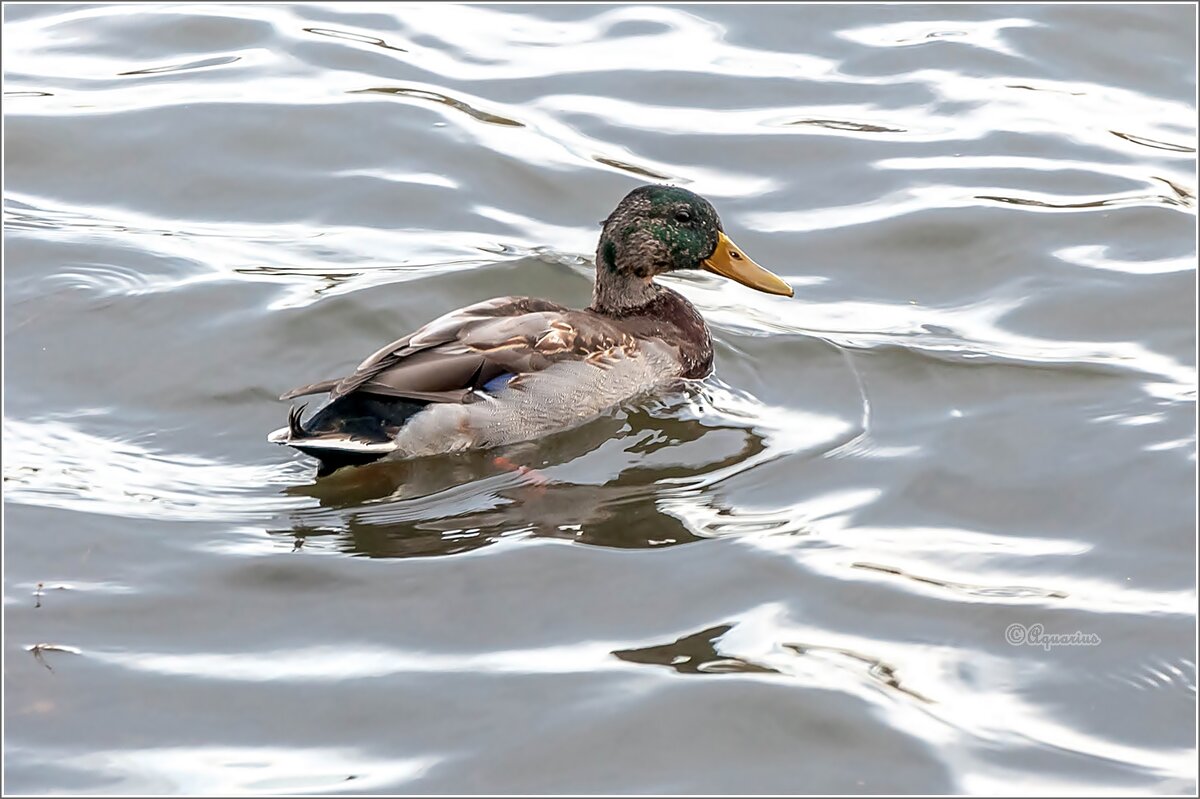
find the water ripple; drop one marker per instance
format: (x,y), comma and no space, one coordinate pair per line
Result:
(1159,145)
(438,97)
(237,770)
(52,463)
(842,124)
(204,63)
(355,37)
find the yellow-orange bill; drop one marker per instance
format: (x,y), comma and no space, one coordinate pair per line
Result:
(728,261)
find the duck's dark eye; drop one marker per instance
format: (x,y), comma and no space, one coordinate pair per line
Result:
(683,215)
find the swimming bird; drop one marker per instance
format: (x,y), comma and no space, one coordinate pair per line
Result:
(513,369)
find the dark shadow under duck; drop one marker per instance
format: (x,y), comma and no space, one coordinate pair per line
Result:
(513,369)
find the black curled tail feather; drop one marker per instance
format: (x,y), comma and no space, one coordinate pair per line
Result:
(354,419)
(295,427)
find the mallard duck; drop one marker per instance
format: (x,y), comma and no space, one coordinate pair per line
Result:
(513,369)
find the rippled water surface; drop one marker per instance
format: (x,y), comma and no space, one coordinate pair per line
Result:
(796,576)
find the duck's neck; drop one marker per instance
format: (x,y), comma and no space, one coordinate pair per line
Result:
(620,293)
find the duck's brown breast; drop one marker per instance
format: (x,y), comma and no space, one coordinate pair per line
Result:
(670,318)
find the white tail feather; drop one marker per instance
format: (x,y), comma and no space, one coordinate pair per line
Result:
(330,441)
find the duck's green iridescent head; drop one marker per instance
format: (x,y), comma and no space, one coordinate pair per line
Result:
(658,229)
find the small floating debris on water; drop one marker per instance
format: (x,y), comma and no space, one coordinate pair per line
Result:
(38,651)
(40,590)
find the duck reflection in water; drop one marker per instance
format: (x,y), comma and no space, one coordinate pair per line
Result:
(449,504)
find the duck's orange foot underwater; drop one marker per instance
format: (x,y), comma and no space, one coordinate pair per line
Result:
(532,476)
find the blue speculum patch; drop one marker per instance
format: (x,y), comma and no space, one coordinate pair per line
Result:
(498,382)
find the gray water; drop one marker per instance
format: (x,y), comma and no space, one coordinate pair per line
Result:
(801,575)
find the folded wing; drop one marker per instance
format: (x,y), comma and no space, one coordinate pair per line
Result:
(456,355)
